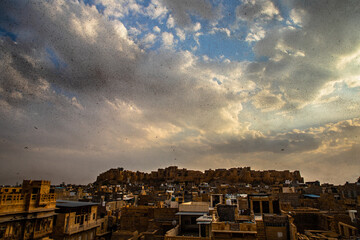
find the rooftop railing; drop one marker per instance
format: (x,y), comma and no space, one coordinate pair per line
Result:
(47,198)
(11,199)
(15,202)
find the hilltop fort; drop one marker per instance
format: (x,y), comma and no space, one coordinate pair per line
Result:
(176,175)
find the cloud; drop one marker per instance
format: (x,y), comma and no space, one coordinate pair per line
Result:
(105,65)
(224,30)
(182,10)
(120,9)
(134,31)
(197,27)
(259,16)
(181,34)
(267,101)
(325,139)
(300,61)
(297,16)
(256,33)
(156,10)
(156,29)
(168,39)
(170,22)
(257,10)
(149,40)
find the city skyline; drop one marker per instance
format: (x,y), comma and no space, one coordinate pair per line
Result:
(90,85)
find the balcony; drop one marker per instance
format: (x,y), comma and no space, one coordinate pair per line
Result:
(36,202)
(38,234)
(83,227)
(11,199)
(10,203)
(233,227)
(47,199)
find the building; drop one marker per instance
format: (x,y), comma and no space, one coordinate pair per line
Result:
(263,203)
(193,222)
(188,213)
(75,220)
(105,228)
(27,212)
(234,230)
(228,225)
(216,199)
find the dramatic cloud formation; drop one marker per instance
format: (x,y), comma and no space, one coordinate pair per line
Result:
(90,85)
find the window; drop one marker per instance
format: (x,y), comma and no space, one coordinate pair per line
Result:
(35,190)
(17,228)
(203,230)
(256,207)
(276,206)
(2,232)
(193,220)
(77,219)
(94,215)
(37,228)
(265,206)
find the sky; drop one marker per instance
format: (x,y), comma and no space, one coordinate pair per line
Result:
(90,85)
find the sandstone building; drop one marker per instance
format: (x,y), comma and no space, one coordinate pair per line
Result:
(27,212)
(75,220)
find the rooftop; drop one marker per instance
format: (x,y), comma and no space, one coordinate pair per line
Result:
(73,204)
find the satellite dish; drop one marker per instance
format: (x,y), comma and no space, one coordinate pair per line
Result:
(174,223)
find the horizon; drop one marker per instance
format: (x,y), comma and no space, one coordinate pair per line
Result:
(86,85)
(59,182)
